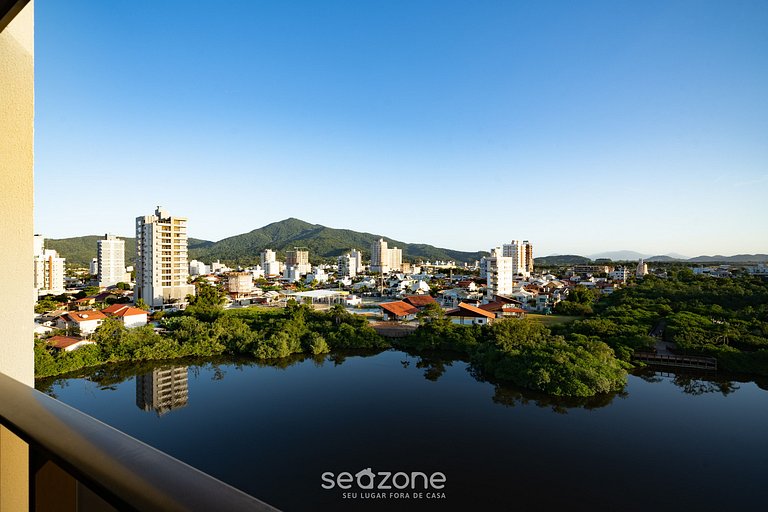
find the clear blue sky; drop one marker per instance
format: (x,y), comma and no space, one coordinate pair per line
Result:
(581,126)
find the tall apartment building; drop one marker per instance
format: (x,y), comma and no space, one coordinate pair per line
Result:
(110,261)
(505,264)
(347,265)
(358,255)
(499,273)
(49,269)
(162,390)
(298,258)
(269,263)
(522,256)
(161,260)
(384,259)
(266,256)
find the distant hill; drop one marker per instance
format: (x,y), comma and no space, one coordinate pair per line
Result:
(322,241)
(80,250)
(737,258)
(561,259)
(661,259)
(619,255)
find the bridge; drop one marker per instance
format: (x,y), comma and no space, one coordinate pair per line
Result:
(698,362)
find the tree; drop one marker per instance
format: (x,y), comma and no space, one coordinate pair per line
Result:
(208,301)
(142,304)
(91,290)
(432,312)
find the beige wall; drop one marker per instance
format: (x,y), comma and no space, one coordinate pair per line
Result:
(16,230)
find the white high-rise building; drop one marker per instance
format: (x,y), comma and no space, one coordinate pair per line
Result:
(384,259)
(505,264)
(358,255)
(267,255)
(347,265)
(49,269)
(500,273)
(111,261)
(162,268)
(522,256)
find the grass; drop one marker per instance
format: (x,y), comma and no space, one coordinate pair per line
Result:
(549,320)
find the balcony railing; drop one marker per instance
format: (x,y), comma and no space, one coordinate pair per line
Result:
(108,468)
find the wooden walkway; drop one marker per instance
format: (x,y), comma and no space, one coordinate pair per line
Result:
(393,329)
(698,362)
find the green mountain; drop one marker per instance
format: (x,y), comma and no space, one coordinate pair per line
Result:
(561,259)
(80,250)
(322,242)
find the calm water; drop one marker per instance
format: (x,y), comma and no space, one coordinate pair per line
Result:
(667,443)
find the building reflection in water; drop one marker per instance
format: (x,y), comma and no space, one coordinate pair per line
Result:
(162,390)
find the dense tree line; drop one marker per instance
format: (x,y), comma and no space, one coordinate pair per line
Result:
(206,330)
(725,318)
(526,353)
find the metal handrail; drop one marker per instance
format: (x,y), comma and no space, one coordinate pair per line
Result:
(124,471)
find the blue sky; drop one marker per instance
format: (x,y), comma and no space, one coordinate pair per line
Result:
(581,126)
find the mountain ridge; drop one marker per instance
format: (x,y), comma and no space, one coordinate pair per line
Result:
(323,243)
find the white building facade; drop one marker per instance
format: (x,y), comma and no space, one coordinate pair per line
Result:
(162,268)
(348,265)
(522,256)
(385,259)
(198,268)
(111,261)
(500,273)
(358,255)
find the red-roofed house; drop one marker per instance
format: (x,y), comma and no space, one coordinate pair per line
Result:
(467,314)
(398,310)
(503,309)
(419,301)
(85,321)
(129,315)
(68,343)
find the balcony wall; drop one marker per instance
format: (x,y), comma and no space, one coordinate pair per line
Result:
(16,230)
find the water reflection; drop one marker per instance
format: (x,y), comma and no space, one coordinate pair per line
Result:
(434,362)
(163,389)
(691,382)
(511,396)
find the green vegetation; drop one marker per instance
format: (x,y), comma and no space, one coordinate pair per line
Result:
(322,242)
(208,330)
(722,318)
(550,320)
(561,260)
(525,353)
(579,302)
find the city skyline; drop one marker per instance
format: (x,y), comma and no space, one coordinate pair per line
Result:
(590,128)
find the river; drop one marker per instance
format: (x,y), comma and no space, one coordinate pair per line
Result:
(668,442)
